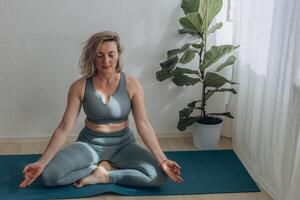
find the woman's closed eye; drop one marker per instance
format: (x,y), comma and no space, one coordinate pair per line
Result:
(110,55)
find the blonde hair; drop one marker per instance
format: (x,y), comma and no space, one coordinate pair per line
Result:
(91,46)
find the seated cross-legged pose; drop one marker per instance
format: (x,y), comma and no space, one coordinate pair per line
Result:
(106,150)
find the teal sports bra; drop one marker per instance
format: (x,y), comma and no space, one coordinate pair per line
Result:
(116,110)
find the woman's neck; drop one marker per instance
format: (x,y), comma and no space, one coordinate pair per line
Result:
(106,78)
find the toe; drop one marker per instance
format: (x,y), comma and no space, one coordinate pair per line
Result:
(78,184)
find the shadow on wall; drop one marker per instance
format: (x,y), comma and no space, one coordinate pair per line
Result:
(149,45)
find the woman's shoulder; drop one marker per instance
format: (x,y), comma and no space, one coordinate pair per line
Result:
(78,86)
(133,85)
(131,81)
(80,82)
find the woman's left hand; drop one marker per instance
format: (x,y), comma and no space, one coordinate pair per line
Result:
(172,169)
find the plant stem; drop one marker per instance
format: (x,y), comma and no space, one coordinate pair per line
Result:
(205,26)
(203,103)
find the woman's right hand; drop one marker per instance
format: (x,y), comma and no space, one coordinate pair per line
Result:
(31,172)
(172,169)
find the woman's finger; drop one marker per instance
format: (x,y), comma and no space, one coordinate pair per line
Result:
(26,175)
(172,177)
(25,168)
(29,174)
(171,174)
(179,178)
(176,178)
(29,177)
(32,179)
(175,170)
(177,165)
(24,183)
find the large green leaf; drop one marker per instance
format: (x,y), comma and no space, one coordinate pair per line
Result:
(184,31)
(215,27)
(187,57)
(198,46)
(193,104)
(224,90)
(183,123)
(163,75)
(215,80)
(173,52)
(181,80)
(189,6)
(184,113)
(213,8)
(209,93)
(179,70)
(170,63)
(226,114)
(215,53)
(192,21)
(193,6)
(230,60)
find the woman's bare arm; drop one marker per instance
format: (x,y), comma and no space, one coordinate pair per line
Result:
(66,125)
(61,133)
(142,122)
(145,130)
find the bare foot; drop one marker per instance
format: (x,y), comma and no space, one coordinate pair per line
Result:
(99,175)
(106,165)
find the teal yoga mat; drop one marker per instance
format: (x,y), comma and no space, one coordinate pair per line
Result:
(204,172)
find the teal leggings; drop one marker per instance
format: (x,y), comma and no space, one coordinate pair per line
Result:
(135,165)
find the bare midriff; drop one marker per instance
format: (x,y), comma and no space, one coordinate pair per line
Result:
(106,128)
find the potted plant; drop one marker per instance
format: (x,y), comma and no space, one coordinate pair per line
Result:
(198,23)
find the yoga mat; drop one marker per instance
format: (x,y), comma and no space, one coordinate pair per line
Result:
(204,172)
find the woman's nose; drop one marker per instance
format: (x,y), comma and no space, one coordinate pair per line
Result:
(105,60)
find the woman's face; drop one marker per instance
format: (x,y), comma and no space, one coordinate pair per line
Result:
(107,57)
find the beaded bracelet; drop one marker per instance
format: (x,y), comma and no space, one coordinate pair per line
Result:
(162,162)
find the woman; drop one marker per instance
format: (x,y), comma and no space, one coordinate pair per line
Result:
(106,150)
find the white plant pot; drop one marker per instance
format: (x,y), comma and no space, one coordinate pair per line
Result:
(207,136)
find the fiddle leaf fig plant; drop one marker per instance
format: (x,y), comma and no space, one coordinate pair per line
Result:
(198,22)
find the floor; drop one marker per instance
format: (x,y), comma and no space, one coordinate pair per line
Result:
(27,145)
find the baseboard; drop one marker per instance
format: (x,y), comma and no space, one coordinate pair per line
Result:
(73,137)
(174,134)
(31,139)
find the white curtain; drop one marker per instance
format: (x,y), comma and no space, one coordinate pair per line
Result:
(267,106)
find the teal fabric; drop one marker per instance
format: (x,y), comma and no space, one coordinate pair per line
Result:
(204,172)
(116,110)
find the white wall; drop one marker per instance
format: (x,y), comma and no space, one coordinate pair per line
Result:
(297,51)
(40,43)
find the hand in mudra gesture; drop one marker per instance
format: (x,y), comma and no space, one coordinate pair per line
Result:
(31,172)
(172,169)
